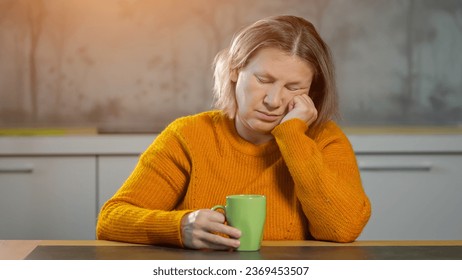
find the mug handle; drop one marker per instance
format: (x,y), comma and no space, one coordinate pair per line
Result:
(214,208)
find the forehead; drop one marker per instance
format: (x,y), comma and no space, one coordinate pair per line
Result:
(277,63)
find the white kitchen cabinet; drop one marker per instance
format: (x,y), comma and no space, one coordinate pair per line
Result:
(47,197)
(413,196)
(112,173)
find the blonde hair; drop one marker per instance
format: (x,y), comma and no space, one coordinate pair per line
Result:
(291,34)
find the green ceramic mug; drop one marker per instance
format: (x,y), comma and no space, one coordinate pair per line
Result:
(246,212)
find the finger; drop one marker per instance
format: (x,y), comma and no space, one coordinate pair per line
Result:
(305,99)
(291,105)
(213,216)
(213,221)
(302,100)
(209,245)
(216,241)
(224,229)
(206,244)
(309,103)
(201,238)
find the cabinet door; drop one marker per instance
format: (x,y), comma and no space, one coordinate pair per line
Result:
(47,197)
(414,197)
(112,173)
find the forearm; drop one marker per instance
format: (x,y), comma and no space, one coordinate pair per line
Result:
(336,207)
(143,209)
(327,183)
(121,221)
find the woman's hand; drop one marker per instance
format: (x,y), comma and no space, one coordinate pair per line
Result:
(199,228)
(301,107)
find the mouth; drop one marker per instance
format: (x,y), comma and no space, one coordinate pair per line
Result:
(267,117)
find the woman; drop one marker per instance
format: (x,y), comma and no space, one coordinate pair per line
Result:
(272,134)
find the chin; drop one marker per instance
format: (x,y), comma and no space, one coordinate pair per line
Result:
(264,127)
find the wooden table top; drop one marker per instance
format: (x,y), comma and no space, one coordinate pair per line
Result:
(100,249)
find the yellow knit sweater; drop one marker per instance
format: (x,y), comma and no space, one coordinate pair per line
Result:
(312,185)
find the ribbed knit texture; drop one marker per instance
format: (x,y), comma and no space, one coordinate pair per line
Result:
(313,186)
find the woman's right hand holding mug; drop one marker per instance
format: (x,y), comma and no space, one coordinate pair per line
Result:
(199,231)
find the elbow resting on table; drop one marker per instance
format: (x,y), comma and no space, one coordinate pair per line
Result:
(346,232)
(336,237)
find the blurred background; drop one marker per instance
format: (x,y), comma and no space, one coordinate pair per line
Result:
(110,74)
(131,66)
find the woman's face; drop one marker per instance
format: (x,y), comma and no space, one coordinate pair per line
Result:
(264,88)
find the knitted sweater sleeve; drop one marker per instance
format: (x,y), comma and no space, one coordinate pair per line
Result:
(143,209)
(327,180)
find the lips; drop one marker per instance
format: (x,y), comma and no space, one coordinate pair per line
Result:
(267,117)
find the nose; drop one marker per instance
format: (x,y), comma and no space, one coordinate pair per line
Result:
(273,98)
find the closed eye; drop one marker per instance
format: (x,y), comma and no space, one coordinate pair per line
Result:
(295,88)
(263,80)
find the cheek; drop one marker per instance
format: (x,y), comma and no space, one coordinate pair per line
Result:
(244,85)
(240,94)
(247,92)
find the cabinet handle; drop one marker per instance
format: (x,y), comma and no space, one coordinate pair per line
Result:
(25,168)
(395,167)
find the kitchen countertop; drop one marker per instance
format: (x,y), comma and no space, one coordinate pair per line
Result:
(391,141)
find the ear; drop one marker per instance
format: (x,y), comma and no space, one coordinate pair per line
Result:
(233,75)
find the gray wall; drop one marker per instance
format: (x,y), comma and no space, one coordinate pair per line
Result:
(135,65)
